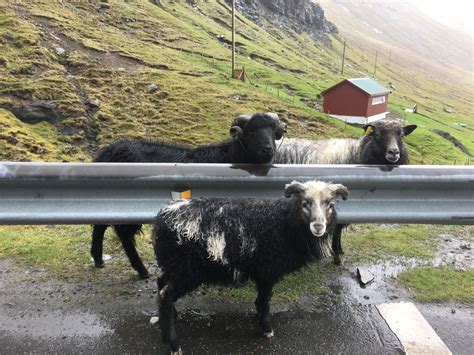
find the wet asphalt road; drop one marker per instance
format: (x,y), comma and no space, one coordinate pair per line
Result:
(334,329)
(42,315)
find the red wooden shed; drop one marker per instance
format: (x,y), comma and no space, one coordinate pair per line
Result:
(359,100)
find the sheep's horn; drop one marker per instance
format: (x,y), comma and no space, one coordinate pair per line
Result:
(242,120)
(273,115)
(294,188)
(236,132)
(281,126)
(340,191)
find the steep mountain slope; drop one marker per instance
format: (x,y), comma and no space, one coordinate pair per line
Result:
(91,72)
(400,26)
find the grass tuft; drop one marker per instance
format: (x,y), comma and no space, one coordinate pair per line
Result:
(373,243)
(429,284)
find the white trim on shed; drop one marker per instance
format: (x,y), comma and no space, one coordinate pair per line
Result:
(360,119)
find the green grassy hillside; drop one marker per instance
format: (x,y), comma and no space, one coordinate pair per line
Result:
(115,49)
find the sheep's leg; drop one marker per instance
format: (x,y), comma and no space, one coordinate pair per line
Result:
(167,296)
(166,301)
(126,234)
(98,232)
(161,283)
(336,245)
(263,307)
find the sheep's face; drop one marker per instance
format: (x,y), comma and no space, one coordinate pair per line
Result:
(387,139)
(256,134)
(317,202)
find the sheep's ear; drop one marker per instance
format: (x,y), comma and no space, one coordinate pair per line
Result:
(340,191)
(408,129)
(294,188)
(236,132)
(280,130)
(281,127)
(368,129)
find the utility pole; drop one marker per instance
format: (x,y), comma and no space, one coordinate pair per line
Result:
(343,56)
(233,37)
(375,66)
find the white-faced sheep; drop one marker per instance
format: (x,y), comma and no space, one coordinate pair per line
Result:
(223,240)
(252,142)
(381,144)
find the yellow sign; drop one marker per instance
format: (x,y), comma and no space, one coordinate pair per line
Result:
(186,195)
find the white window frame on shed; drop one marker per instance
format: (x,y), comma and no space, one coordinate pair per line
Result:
(378,100)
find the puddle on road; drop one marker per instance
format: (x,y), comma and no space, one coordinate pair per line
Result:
(380,290)
(454,252)
(55,324)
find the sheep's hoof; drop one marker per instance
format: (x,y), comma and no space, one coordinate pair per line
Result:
(338,260)
(99,264)
(268,334)
(179,352)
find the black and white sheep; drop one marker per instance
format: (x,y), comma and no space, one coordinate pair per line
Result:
(252,142)
(223,240)
(382,143)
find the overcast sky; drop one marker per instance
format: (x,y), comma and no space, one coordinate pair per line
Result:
(456,13)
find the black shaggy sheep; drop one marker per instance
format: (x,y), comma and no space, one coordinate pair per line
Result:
(222,240)
(252,142)
(381,144)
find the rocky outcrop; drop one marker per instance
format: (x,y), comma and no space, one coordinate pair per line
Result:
(34,111)
(298,15)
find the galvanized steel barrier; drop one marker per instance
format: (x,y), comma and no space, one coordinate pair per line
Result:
(63,193)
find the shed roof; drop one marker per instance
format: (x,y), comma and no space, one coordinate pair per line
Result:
(367,85)
(370,86)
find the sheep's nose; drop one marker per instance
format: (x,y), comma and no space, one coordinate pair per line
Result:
(393,151)
(318,229)
(267,150)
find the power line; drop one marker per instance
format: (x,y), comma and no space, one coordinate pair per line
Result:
(375,65)
(343,56)
(233,37)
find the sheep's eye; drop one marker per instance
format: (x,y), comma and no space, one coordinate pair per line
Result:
(306,204)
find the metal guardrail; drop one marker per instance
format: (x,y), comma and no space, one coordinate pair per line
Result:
(62,193)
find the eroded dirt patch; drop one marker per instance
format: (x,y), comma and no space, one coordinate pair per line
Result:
(453,140)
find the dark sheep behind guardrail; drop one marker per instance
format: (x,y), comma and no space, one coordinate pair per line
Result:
(252,142)
(381,144)
(222,240)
